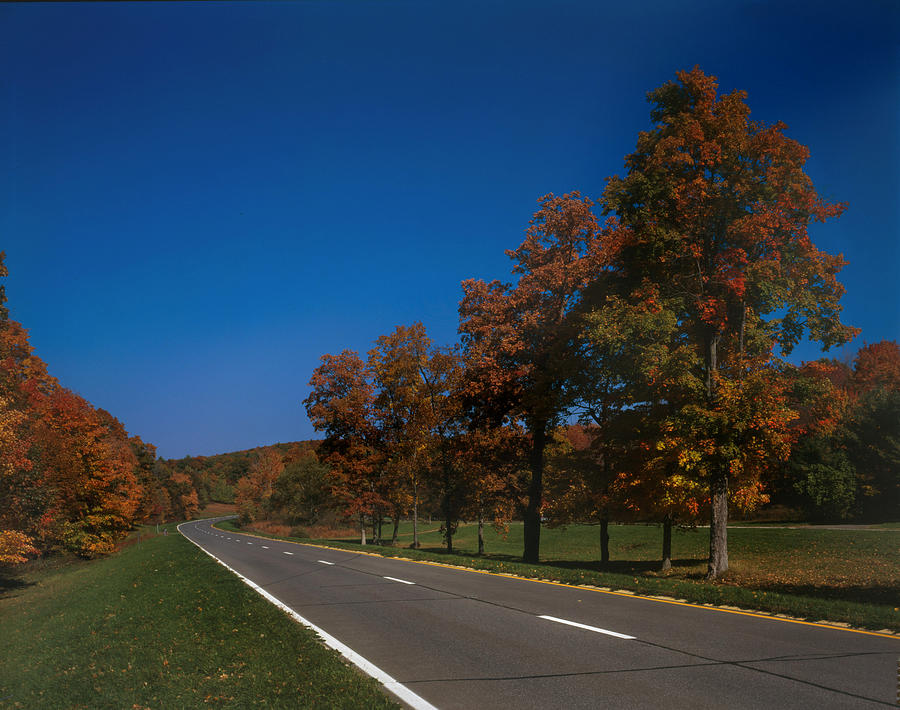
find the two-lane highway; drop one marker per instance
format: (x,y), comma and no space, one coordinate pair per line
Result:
(463,639)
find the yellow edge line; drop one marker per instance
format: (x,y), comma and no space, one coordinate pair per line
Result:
(508,575)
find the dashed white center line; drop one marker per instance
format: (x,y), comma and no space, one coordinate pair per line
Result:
(326,563)
(585,626)
(249,543)
(265,547)
(402,581)
(287,553)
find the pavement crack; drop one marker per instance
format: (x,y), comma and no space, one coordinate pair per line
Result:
(678,666)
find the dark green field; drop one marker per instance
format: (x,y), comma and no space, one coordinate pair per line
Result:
(161,625)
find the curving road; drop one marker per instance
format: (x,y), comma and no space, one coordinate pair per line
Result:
(459,639)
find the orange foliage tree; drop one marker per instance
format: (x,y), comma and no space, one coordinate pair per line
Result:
(68,473)
(89,468)
(517,337)
(342,405)
(877,365)
(489,461)
(416,387)
(254,491)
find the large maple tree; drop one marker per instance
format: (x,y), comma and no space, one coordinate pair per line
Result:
(714,214)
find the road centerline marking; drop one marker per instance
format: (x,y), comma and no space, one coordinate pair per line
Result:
(402,581)
(287,553)
(325,562)
(585,626)
(265,547)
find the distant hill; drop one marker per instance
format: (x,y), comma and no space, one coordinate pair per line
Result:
(231,466)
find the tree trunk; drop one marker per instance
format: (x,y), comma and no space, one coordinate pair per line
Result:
(447,503)
(718,526)
(480,531)
(362,530)
(448,533)
(604,513)
(718,484)
(667,544)
(532,522)
(396,522)
(604,539)
(416,517)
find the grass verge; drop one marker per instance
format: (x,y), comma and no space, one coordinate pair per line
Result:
(161,625)
(848,577)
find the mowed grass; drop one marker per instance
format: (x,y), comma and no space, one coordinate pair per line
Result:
(848,576)
(161,625)
(862,565)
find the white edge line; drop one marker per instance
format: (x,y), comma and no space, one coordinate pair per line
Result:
(585,626)
(402,581)
(366,666)
(325,562)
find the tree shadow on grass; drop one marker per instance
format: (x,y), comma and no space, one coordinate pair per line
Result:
(10,583)
(883,594)
(626,567)
(632,567)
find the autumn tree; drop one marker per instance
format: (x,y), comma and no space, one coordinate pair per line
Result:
(489,465)
(873,429)
(68,471)
(22,500)
(16,515)
(254,491)
(89,469)
(342,405)
(403,404)
(877,366)
(713,213)
(819,476)
(582,482)
(627,378)
(517,337)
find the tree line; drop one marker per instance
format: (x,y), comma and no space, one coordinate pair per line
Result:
(632,369)
(659,317)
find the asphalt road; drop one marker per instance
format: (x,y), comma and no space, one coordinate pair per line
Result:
(460,639)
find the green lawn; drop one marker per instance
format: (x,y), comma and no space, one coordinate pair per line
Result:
(160,625)
(850,576)
(859,565)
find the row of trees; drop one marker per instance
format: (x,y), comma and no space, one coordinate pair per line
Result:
(71,478)
(663,327)
(401,429)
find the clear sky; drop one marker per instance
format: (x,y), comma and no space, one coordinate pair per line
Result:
(198,200)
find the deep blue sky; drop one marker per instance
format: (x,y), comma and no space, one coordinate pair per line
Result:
(198,200)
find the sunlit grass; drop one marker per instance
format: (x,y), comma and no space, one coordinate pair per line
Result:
(161,625)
